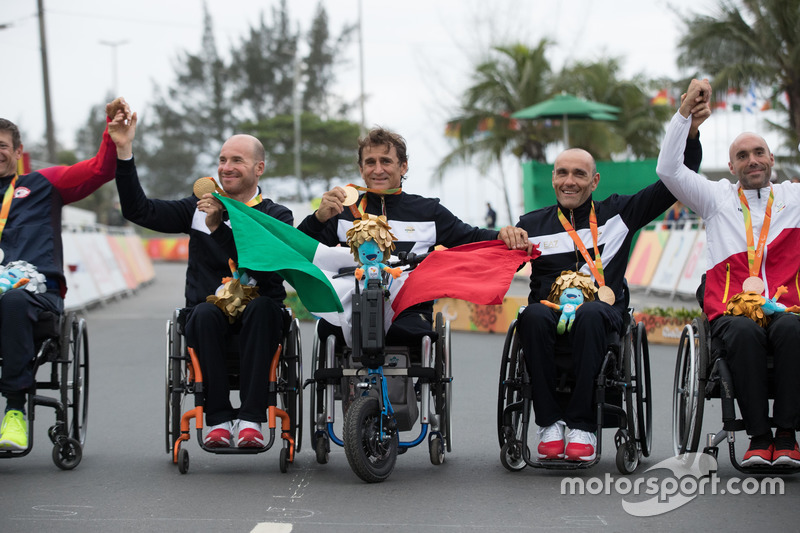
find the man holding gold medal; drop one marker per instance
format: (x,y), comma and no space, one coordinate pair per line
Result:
(752,228)
(583,242)
(211,246)
(419,223)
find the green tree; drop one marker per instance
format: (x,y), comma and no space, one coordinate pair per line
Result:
(262,68)
(639,125)
(749,41)
(512,78)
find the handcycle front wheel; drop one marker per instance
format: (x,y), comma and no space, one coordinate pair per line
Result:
(371,457)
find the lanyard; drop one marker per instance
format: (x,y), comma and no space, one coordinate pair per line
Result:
(756,254)
(361,209)
(596,265)
(7,197)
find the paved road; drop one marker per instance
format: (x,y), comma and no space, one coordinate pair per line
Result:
(126,481)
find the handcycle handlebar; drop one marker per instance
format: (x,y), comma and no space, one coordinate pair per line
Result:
(409,259)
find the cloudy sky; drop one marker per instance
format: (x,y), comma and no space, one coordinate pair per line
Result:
(418,56)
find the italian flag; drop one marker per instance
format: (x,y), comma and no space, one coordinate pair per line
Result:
(478,272)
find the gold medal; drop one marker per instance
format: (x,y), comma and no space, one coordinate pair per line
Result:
(753,284)
(203,186)
(606,294)
(351,196)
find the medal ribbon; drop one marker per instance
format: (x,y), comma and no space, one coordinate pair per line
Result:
(756,254)
(360,210)
(596,265)
(7,198)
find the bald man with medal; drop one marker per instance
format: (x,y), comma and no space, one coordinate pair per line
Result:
(591,237)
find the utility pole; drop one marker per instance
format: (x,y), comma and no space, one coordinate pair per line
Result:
(361,68)
(114,71)
(48,111)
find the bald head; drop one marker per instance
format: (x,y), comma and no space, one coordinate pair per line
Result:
(575,177)
(258,152)
(751,160)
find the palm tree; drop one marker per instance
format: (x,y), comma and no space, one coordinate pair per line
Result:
(754,41)
(639,125)
(516,78)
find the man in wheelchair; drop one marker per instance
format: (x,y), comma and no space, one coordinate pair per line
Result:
(30,237)
(420,223)
(589,238)
(751,228)
(211,248)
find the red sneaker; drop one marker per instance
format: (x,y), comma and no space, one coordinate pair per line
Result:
(250,435)
(760,451)
(551,441)
(580,445)
(786,451)
(219,436)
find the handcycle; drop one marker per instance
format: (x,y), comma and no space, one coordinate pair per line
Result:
(62,343)
(622,396)
(373,383)
(184,379)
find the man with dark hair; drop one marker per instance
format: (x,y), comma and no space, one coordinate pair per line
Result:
(30,231)
(261,325)
(419,223)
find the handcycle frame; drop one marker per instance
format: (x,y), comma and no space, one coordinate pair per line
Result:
(370,426)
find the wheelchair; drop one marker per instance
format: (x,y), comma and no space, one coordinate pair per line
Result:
(61,364)
(184,379)
(623,400)
(374,385)
(700,375)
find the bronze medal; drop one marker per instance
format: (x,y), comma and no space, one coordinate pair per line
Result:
(753,284)
(606,294)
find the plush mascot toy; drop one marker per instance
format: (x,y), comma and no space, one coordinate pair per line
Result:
(570,290)
(234,294)
(12,278)
(372,242)
(758,308)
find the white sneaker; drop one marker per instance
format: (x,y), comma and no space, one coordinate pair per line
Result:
(250,435)
(219,436)
(551,441)
(580,445)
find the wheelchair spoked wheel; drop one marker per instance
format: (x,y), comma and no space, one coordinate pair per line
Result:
(370,457)
(644,403)
(319,439)
(290,383)
(174,383)
(688,394)
(627,458)
(443,390)
(510,428)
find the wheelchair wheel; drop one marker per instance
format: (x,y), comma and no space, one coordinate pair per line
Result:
(443,391)
(67,453)
(627,458)
(436,449)
(631,367)
(317,399)
(688,393)
(174,383)
(510,386)
(290,383)
(370,457)
(75,376)
(644,403)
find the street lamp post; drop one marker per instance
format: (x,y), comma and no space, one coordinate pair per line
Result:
(114,45)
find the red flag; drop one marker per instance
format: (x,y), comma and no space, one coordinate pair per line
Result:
(479,272)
